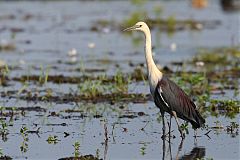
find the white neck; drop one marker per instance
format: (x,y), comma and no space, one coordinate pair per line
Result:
(154,75)
(148,51)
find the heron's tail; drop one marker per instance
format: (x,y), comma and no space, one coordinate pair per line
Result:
(198,120)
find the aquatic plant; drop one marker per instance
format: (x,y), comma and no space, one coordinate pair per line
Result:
(143,149)
(121,83)
(4,72)
(230,107)
(98,154)
(52,139)
(138,2)
(76,146)
(211,57)
(24,134)
(43,78)
(171,24)
(4,127)
(135,17)
(25,86)
(193,83)
(91,89)
(219,56)
(184,127)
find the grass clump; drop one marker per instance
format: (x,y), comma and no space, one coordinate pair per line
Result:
(220,56)
(229,107)
(135,17)
(193,83)
(91,89)
(211,57)
(4,72)
(121,83)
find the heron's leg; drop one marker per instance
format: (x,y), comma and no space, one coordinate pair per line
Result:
(179,129)
(170,123)
(179,148)
(164,127)
(195,133)
(195,136)
(163,149)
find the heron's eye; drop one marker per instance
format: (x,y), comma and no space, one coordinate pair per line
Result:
(140,25)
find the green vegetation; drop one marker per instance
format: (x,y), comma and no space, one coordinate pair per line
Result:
(24,134)
(143,149)
(219,57)
(76,149)
(43,78)
(4,130)
(52,139)
(230,107)
(135,17)
(91,89)
(184,127)
(121,83)
(4,72)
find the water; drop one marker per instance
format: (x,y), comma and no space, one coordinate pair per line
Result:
(53,28)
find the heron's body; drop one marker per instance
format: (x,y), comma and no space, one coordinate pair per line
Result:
(168,97)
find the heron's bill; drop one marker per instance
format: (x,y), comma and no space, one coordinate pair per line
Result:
(131,28)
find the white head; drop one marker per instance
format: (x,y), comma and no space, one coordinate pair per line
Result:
(139,26)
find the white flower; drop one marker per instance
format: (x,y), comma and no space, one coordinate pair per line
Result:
(200,63)
(91,45)
(72,52)
(173,46)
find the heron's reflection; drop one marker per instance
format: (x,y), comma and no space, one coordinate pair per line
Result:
(195,153)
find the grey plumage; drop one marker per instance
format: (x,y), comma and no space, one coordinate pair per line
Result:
(169,97)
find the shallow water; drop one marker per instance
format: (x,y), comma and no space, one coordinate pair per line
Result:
(53,28)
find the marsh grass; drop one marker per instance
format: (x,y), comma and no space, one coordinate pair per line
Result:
(91,89)
(4,73)
(43,78)
(193,83)
(219,56)
(121,82)
(76,146)
(24,134)
(52,139)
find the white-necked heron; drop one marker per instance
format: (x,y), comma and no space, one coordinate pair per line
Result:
(167,95)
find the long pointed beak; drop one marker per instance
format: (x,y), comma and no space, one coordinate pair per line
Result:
(131,28)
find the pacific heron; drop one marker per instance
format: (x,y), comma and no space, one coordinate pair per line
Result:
(167,95)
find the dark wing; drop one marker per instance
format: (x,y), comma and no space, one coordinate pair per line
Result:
(177,100)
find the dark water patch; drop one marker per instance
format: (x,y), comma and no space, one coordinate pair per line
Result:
(196,153)
(85,157)
(27,109)
(112,98)
(88,70)
(6,158)
(57,124)
(12,111)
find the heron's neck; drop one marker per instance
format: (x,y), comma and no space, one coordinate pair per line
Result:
(151,66)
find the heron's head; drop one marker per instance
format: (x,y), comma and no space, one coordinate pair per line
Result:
(139,26)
